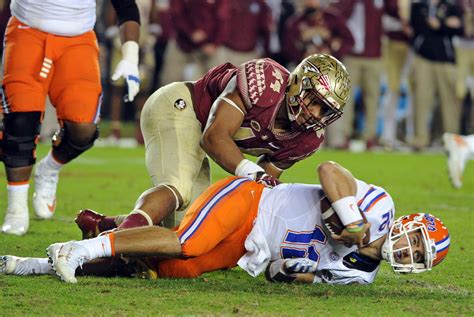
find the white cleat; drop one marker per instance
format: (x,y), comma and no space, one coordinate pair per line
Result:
(16,220)
(457,151)
(44,197)
(67,259)
(14,265)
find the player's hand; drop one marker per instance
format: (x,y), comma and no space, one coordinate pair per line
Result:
(128,69)
(352,238)
(299,265)
(266,179)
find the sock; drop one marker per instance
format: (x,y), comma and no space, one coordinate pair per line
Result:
(29,266)
(18,194)
(137,218)
(100,247)
(51,164)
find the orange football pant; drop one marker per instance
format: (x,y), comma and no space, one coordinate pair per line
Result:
(37,64)
(213,231)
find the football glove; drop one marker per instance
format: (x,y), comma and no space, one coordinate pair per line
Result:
(128,69)
(285,270)
(300,265)
(266,179)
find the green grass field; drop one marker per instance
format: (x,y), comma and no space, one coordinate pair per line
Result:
(109,180)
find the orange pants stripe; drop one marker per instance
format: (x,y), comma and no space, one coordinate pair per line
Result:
(37,64)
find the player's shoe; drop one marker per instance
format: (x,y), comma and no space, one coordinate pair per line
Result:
(88,221)
(44,198)
(16,219)
(67,259)
(457,150)
(14,265)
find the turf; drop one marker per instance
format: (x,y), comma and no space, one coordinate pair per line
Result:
(109,180)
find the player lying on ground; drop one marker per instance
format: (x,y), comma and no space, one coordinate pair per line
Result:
(240,222)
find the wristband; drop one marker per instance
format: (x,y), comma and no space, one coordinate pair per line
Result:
(248,168)
(347,210)
(130,52)
(356,228)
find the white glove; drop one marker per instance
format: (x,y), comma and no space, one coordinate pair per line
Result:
(128,69)
(300,265)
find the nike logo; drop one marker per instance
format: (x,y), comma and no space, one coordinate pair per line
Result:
(24,27)
(52,207)
(273,145)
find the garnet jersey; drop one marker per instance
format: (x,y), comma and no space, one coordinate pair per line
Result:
(262,84)
(289,218)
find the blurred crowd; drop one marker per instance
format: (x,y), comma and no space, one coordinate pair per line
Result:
(411,62)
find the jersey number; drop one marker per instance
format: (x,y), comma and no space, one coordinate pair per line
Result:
(301,244)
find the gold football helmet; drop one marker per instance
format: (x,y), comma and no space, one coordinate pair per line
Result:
(322,79)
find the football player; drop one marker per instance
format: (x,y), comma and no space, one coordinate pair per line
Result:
(51,50)
(460,150)
(258,108)
(279,230)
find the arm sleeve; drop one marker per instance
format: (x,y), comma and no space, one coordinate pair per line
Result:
(127,10)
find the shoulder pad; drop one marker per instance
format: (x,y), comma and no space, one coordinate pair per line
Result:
(262,82)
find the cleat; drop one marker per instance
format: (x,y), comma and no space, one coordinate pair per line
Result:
(88,221)
(16,220)
(44,197)
(457,151)
(67,259)
(13,265)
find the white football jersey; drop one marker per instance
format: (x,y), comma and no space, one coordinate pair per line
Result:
(59,17)
(289,217)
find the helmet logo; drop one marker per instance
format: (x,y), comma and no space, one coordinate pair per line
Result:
(324,81)
(430,223)
(180,104)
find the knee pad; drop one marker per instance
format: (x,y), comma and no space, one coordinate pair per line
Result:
(65,148)
(20,135)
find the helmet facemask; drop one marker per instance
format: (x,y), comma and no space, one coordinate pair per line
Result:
(400,230)
(308,96)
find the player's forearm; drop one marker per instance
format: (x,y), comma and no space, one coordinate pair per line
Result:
(337,182)
(223,150)
(130,31)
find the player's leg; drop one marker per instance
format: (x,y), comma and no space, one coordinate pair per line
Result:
(92,223)
(24,95)
(14,265)
(371,95)
(227,208)
(423,100)
(76,93)
(460,150)
(173,155)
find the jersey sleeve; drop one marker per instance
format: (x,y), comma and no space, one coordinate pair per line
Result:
(262,83)
(378,208)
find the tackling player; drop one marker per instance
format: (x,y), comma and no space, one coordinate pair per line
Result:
(240,222)
(258,108)
(51,50)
